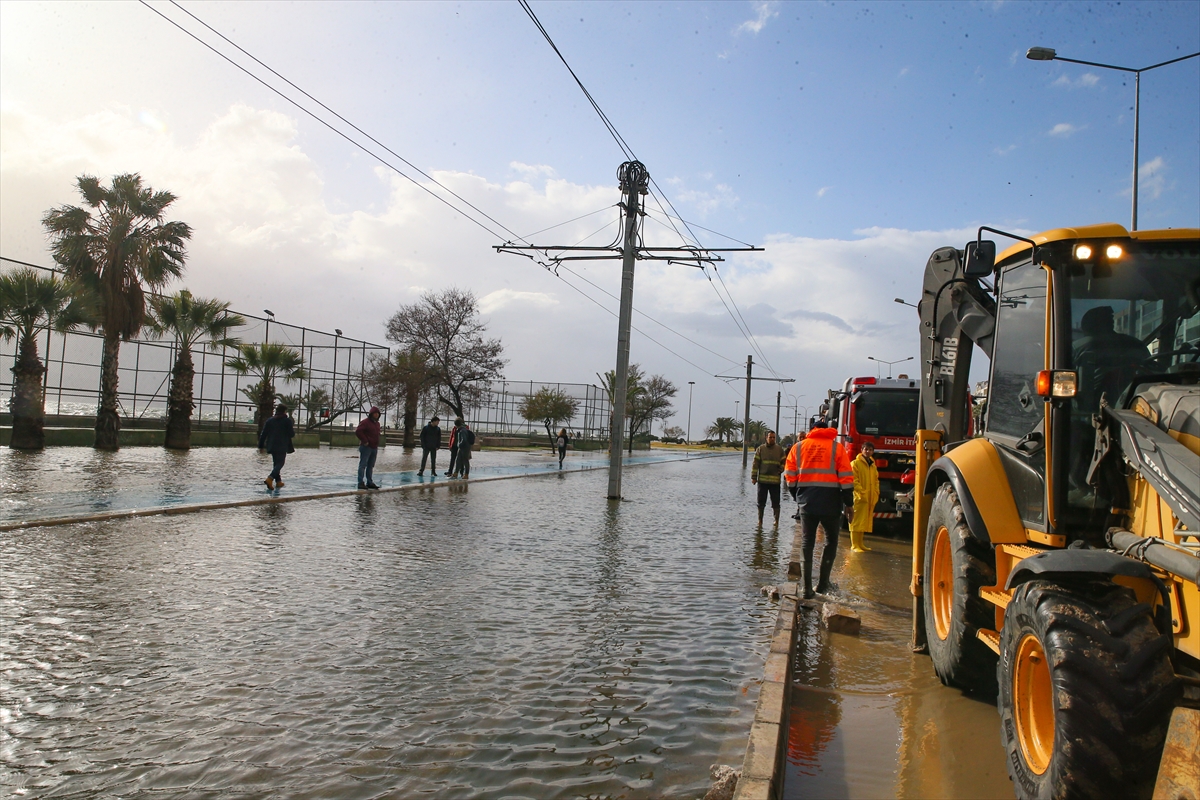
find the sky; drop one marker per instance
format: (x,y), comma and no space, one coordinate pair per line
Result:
(849,140)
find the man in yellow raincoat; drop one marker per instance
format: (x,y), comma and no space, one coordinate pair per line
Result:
(866,495)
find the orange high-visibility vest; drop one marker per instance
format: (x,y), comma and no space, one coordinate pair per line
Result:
(821,462)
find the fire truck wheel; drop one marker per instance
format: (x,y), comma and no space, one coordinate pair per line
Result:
(956,566)
(1086,691)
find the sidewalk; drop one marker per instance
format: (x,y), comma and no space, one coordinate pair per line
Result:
(128,483)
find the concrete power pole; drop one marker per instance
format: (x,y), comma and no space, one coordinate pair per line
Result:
(746,421)
(634,179)
(778,400)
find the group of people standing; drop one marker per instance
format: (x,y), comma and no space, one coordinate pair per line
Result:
(462,440)
(825,484)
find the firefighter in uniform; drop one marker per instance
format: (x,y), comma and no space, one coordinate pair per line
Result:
(765,473)
(818,475)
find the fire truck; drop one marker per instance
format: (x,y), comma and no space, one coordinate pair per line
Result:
(882,411)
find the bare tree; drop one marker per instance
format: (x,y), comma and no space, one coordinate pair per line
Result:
(445,329)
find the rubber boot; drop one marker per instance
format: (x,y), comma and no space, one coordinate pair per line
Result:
(776,510)
(856,542)
(806,574)
(828,555)
(760,516)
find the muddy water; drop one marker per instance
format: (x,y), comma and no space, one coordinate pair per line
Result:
(520,638)
(868,717)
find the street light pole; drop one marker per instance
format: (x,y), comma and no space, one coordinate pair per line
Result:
(1049,54)
(879,361)
(689,431)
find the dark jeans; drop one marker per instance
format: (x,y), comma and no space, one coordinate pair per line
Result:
(831,524)
(453,459)
(366,463)
(464,464)
(765,489)
(562,453)
(431,456)
(277,460)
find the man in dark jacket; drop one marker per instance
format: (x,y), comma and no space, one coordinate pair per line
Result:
(464,438)
(276,439)
(431,440)
(368,448)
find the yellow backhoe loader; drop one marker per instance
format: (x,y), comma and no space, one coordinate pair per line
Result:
(1056,553)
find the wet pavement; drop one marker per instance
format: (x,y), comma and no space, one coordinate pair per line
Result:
(517,638)
(869,718)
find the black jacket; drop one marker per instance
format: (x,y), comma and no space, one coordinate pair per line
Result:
(277,435)
(431,437)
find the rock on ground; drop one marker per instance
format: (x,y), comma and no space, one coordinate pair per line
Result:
(724,782)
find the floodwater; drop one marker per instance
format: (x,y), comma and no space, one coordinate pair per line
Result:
(869,718)
(520,638)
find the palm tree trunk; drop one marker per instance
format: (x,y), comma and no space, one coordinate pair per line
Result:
(108,421)
(411,398)
(266,404)
(179,403)
(28,407)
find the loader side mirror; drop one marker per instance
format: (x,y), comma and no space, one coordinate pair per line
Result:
(980,259)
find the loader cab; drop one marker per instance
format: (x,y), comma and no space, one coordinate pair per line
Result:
(1106,311)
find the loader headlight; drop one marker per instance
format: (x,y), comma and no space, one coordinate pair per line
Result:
(1083,252)
(1056,383)
(1114,251)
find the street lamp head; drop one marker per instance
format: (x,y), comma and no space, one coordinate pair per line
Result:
(872,358)
(268,312)
(338,331)
(1041,54)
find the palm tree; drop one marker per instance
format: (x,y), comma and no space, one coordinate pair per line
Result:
(30,303)
(757,432)
(189,320)
(723,427)
(116,254)
(269,361)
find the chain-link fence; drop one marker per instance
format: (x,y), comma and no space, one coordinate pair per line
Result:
(497,412)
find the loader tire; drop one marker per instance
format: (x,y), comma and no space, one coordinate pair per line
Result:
(1086,691)
(956,566)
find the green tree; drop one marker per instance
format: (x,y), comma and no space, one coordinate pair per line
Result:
(30,303)
(189,320)
(633,388)
(722,428)
(549,407)
(757,432)
(269,362)
(116,251)
(311,402)
(652,402)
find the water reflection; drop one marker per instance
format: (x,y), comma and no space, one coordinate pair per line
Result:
(521,637)
(868,717)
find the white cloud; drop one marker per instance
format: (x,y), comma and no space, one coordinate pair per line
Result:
(494,301)
(1085,81)
(763,11)
(1003,151)
(705,201)
(531,171)
(1064,130)
(1152,179)
(821,192)
(903,72)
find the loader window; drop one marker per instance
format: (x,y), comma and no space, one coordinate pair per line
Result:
(1133,320)
(1014,408)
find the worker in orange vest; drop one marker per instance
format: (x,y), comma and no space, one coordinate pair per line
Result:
(819,477)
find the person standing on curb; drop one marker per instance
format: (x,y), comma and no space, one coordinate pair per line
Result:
(276,439)
(453,447)
(765,473)
(431,440)
(465,438)
(368,448)
(563,440)
(824,485)
(866,495)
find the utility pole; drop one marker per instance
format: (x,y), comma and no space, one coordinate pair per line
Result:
(746,421)
(689,430)
(634,180)
(778,400)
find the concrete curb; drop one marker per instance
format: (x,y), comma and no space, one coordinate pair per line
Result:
(762,768)
(263,501)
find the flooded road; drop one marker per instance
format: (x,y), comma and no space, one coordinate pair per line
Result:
(868,717)
(520,638)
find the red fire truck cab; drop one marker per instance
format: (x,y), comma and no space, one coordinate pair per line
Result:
(882,411)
